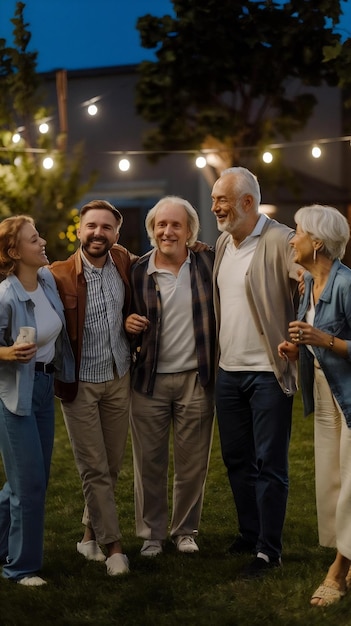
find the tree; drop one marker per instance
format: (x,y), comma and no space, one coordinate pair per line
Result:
(234,75)
(25,186)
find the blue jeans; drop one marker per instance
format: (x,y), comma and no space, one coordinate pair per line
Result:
(26,443)
(254,418)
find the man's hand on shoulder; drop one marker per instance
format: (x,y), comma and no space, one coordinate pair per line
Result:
(200,246)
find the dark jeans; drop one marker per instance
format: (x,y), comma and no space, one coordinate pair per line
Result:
(254,418)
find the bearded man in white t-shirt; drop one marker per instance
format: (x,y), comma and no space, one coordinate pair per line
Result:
(255,286)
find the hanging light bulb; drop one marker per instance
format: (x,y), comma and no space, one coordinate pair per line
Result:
(316,152)
(16,138)
(91,105)
(92,109)
(48,163)
(124,164)
(200,162)
(267,157)
(43,128)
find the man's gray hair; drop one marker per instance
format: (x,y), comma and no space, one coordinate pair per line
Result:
(245,182)
(193,219)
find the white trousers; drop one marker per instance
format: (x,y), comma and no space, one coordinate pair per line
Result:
(332,440)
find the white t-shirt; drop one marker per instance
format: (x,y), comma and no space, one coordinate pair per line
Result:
(48,325)
(241,346)
(310,318)
(177,340)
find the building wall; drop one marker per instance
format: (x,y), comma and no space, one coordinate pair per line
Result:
(117,128)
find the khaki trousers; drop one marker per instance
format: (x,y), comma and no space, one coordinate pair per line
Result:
(97,424)
(332,440)
(178,402)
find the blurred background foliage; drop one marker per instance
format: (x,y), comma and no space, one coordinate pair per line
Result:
(50,196)
(236,74)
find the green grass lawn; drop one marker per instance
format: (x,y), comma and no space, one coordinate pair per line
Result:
(200,589)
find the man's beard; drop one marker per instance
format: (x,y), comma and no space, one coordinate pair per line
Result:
(97,254)
(231,225)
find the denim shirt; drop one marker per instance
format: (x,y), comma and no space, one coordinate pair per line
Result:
(17,309)
(333,316)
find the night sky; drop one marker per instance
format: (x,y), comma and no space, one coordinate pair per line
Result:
(78,34)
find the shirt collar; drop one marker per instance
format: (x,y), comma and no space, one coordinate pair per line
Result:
(92,268)
(151,268)
(259,226)
(257,230)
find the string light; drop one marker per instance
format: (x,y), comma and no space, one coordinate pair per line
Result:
(48,163)
(267,157)
(124,165)
(206,157)
(200,162)
(316,152)
(92,109)
(91,105)
(212,157)
(16,138)
(44,128)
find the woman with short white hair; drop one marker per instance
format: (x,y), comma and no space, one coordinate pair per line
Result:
(321,337)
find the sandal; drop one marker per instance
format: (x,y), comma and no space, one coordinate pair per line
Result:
(329,592)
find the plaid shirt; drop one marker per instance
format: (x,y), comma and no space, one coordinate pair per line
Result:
(147,301)
(104,341)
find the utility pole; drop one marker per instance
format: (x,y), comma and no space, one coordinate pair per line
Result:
(61,90)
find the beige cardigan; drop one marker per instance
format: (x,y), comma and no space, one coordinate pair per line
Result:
(271,288)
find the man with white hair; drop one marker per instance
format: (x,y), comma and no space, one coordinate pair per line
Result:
(254,288)
(172,382)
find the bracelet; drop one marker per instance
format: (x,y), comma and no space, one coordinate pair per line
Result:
(331,342)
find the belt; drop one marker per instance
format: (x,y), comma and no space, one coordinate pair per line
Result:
(47,368)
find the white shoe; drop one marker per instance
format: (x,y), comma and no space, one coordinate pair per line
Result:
(32,581)
(91,550)
(186,543)
(151,547)
(117,564)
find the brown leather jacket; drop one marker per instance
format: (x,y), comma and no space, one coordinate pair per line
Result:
(71,285)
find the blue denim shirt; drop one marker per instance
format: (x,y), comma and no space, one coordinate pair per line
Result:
(333,316)
(17,309)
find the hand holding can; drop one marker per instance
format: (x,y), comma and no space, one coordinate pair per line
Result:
(26,335)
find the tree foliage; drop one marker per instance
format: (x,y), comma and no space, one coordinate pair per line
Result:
(233,75)
(49,196)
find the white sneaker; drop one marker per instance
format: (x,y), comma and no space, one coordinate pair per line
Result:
(32,581)
(151,547)
(186,543)
(117,564)
(91,550)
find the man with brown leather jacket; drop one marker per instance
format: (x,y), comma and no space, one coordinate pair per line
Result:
(94,286)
